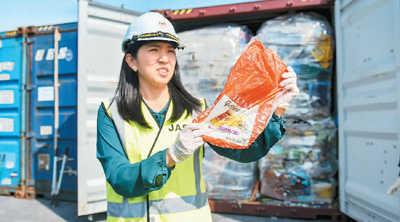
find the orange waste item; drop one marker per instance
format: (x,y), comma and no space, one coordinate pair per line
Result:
(243,109)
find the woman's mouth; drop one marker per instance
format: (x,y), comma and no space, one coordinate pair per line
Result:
(163,71)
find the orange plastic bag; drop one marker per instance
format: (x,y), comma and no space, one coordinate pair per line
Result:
(243,109)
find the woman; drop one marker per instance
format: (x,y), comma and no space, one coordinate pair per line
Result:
(146,143)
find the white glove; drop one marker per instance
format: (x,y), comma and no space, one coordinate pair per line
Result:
(189,139)
(290,89)
(394,187)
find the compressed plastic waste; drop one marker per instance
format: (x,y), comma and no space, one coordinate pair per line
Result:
(303,165)
(305,42)
(313,101)
(226,179)
(209,57)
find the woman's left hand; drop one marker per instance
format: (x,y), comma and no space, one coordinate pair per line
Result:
(290,89)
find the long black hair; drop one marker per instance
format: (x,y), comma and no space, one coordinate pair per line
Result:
(129,98)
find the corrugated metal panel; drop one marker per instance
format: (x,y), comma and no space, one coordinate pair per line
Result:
(240,9)
(11,132)
(369,111)
(250,14)
(42,107)
(101,29)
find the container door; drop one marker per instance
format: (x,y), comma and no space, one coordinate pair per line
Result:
(42,109)
(368,61)
(11,132)
(100,32)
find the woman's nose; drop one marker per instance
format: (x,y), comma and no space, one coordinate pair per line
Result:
(164,58)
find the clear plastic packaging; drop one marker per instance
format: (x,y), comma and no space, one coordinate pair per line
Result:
(314,100)
(209,57)
(302,166)
(305,39)
(305,42)
(227,179)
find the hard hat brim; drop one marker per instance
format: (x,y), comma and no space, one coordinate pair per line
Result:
(158,36)
(178,43)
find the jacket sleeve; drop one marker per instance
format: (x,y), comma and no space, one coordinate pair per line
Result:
(260,147)
(127,179)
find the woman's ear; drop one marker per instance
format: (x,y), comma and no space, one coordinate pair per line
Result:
(131,62)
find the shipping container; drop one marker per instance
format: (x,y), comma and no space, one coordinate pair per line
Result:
(65,94)
(13,161)
(45,104)
(100,30)
(365,97)
(70,69)
(368,92)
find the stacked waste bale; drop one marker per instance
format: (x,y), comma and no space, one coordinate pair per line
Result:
(227,179)
(209,56)
(205,64)
(302,166)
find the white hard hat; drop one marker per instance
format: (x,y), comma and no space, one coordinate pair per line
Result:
(150,26)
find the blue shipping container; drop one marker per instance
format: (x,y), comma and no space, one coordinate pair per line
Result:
(43,113)
(11,112)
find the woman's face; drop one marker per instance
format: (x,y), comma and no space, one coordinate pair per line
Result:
(155,63)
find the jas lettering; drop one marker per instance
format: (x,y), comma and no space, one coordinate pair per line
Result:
(176,127)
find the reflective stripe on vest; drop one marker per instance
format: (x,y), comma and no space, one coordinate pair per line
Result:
(164,206)
(175,197)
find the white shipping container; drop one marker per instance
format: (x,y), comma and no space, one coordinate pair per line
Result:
(101,29)
(368,91)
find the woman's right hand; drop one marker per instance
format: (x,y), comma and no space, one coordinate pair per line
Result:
(189,139)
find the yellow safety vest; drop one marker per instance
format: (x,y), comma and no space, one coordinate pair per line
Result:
(183,196)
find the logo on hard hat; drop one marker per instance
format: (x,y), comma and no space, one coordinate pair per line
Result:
(162,24)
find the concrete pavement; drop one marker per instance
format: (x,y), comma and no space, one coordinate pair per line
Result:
(40,210)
